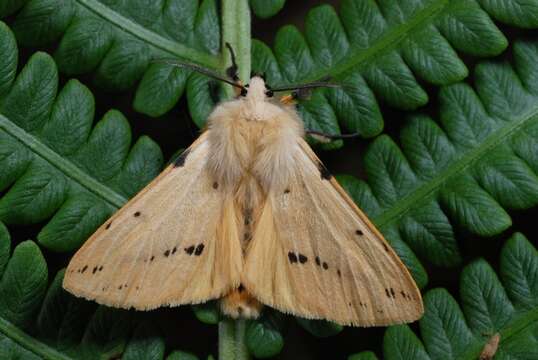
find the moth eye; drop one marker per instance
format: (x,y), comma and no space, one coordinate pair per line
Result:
(244,92)
(269,93)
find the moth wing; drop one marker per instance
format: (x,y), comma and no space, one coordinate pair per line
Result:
(316,255)
(174,243)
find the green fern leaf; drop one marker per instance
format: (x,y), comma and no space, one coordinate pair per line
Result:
(264,337)
(116,41)
(466,170)
(506,304)
(54,164)
(266,9)
(23,282)
(375,49)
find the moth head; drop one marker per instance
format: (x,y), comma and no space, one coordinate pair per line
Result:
(257,90)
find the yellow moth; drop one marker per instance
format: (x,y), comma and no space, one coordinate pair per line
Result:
(249,215)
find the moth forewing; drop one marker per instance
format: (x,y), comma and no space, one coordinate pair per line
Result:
(173,243)
(316,255)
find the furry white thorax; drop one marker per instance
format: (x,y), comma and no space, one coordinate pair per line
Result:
(253,138)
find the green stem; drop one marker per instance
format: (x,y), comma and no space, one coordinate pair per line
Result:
(226,340)
(236,32)
(232,340)
(29,343)
(241,351)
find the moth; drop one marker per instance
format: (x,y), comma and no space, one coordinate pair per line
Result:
(249,215)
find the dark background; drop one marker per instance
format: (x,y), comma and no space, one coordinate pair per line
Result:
(176,130)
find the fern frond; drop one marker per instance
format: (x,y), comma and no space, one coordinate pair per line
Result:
(117,41)
(266,8)
(466,170)
(376,49)
(55,165)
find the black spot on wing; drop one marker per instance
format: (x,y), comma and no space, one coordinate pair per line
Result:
(325,266)
(287,191)
(174,250)
(167,253)
(318,261)
(359,232)
(108,225)
(215,185)
(189,250)
(325,174)
(390,293)
(292,257)
(137,214)
(180,161)
(94,270)
(83,269)
(199,250)
(386,247)
(302,259)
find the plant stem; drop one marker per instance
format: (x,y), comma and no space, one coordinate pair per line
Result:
(241,351)
(236,32)
(232,340)
(29,343)
(226,340)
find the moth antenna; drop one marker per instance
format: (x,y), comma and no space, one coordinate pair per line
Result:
(200,69)
(232,71)
(312,85)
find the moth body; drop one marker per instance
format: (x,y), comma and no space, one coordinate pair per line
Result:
(249,215)
(252,141)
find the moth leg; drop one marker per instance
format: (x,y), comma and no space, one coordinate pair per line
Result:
(324,137)
(290,99)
